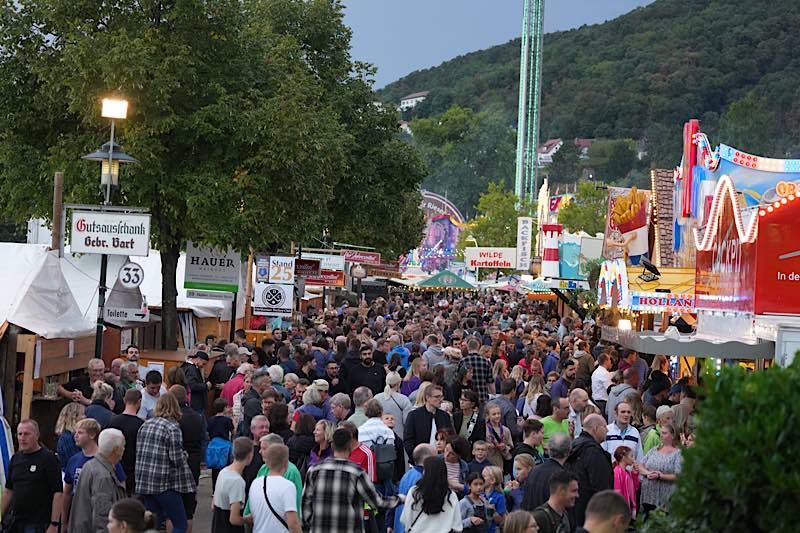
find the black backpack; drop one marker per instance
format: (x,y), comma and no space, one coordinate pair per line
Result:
(385,456)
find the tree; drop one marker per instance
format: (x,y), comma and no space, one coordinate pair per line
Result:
(749,126)
(743,466)
(565,167)
(587,212)
(250,120)
(496,222)
(620,160)
(465,151)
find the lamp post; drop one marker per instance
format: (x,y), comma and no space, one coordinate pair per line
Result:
(110,156)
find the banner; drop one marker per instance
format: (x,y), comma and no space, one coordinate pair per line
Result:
(110,233)
(524,235)
(627,225)
(305,268)
(365,258)
(327,278)
(326,262)
(483,257)
(211,269)
(281,270)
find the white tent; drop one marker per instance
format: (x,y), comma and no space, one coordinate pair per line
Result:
(35,295)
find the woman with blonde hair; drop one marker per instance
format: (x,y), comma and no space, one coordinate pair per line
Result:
(499,373)
(102,403)
(535,389)
(413,379)
(420,400)
(65,429)
(394,402)
(520,522)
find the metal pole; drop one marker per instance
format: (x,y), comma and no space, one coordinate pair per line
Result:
(101,291)
(58,206)
(233,316)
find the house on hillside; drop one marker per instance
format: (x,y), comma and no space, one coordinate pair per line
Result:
(412,100)
(583,145)
(404,127)
(545,152)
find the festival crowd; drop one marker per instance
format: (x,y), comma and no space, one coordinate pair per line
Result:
(479,414)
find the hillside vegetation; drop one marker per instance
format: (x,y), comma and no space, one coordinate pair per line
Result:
(733,64)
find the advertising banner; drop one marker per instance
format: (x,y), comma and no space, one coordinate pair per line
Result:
(306,267)
(326,262)
(327,278)
(273,299)
(627,224)
(262,269)
(210,269)
(365,258)
(483,257)
(110,233)
(524,236)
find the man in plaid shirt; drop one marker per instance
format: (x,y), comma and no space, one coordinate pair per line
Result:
(162,473)
(336,490)
(482,379)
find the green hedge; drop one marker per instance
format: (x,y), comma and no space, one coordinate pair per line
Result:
(744,472)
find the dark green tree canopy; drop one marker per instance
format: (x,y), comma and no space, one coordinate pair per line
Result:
(252,124)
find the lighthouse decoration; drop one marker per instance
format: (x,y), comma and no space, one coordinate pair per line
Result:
(551,232)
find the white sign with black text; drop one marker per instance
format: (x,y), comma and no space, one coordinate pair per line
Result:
(281,270)
(524,235)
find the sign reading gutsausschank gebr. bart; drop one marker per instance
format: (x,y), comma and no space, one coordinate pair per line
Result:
(110,233)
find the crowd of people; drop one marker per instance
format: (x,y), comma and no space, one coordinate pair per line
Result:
(483,414)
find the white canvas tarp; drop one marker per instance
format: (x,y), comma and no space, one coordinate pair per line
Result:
(35,295)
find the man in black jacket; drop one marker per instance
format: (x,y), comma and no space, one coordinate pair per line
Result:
(537,486)
(195,382)
(423,423)
(367,373)
(590,463)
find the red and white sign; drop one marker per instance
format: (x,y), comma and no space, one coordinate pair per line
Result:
(365,258)
(327,278)
(110,233)
(647,301)
(483,257)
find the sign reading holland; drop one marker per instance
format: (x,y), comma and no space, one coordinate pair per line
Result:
(110,233)
(482,257)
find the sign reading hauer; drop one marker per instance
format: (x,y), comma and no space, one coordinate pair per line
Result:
(480,257)
(110,233)
(273,299)
(210,269)
(365,258)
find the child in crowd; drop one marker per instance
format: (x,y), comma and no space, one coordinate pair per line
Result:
(474,508)
(626,482)
(515,489)
(498,437)
(480,449)
(492,483)
(220,431)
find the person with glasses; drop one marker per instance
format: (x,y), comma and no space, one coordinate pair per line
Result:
(423,423)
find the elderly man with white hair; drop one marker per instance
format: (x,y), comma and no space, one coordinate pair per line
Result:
(98,487)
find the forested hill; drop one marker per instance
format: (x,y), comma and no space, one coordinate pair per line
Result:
(733,64)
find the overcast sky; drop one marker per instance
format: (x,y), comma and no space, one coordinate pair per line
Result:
(401,36)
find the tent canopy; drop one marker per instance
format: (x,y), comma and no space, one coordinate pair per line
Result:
(445,280)
(35,295)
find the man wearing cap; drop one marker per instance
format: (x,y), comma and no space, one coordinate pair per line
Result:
(195,382)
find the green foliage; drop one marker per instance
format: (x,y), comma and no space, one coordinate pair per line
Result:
(496,222)
(641,75)
(587,212)
(743,473)
(252,124)
(749,125)
(464,151)
(565,167)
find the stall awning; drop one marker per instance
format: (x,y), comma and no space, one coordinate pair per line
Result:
(445,281)
(688,345)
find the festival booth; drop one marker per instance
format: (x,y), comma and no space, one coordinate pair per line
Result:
(444,281)
(43,333)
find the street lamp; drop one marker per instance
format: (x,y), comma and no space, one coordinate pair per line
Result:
(110,156)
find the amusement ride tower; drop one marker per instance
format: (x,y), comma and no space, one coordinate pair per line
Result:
(530,89)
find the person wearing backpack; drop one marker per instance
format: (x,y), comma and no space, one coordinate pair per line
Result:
(379,438)
(220,430)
